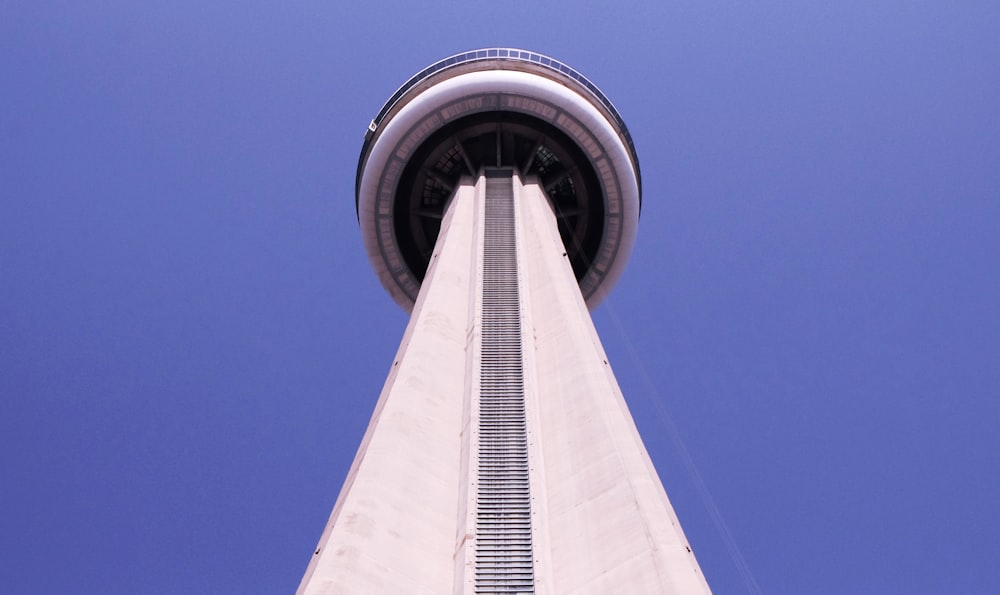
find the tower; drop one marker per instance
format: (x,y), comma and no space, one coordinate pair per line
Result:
(498,194)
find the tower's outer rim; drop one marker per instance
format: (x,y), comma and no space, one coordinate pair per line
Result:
(501,87)
(500,58)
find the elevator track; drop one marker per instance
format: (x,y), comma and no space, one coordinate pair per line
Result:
(504,558)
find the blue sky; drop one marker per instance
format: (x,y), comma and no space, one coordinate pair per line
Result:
(191,339)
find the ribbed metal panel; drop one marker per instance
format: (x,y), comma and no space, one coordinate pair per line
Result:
(504,560)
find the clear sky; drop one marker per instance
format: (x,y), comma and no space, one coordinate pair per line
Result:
(192,341)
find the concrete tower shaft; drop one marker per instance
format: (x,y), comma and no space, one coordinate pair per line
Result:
(498,196)
(488,108)
(501,456)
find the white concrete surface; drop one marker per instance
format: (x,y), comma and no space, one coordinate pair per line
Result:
(608,525)
(393,527)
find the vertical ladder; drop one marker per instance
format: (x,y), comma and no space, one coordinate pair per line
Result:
(504,559)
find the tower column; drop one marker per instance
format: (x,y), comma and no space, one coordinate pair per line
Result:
(501,456)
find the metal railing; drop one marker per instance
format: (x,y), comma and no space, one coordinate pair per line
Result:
(502,54)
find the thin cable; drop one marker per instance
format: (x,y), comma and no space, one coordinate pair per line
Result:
(658,403)
(656,399)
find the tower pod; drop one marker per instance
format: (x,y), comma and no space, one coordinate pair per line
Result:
(498,107)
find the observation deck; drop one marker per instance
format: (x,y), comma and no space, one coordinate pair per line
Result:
(498,107)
